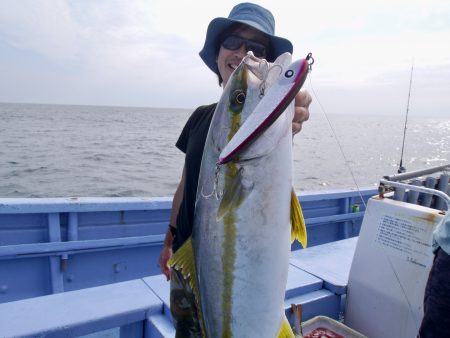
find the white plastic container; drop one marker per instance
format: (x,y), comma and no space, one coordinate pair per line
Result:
(339,329)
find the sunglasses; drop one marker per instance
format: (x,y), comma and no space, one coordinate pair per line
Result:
(234,42)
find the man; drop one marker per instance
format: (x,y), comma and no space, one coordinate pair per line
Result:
(248,27)
(436,319)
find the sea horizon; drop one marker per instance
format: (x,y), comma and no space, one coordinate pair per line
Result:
(60,150)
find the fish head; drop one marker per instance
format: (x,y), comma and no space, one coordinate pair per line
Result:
(240,95)
(277,88)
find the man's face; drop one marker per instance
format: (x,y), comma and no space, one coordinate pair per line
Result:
(228,59)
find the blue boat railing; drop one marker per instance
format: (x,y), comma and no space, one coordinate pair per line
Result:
(76,247)
(104,244)
(105,251)
(66,244)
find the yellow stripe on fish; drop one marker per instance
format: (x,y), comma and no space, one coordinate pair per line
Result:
(231,199)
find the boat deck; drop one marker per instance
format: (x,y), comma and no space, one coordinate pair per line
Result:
(140,307)
(75,266)
(72,267)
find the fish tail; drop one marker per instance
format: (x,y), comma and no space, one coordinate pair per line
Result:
(184,262)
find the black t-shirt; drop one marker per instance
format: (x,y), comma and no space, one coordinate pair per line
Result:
(191,142)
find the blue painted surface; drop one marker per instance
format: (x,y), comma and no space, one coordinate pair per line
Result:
(161,287)
(329,262)
(321,302)
(97,241)
(140,307)
(97,245)
(82,204)
(301,282)
(157,326)
(79,312)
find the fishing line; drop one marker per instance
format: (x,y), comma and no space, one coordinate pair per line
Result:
(337,140)
(397,277)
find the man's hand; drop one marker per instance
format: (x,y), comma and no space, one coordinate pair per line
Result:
(301,114)
(164,257)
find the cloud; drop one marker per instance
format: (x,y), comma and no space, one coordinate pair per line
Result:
(141,52)
(96,47)
(42,27)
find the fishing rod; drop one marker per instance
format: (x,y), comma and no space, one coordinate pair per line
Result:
(401,168)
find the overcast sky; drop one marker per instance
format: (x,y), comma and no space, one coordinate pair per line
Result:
(145,52)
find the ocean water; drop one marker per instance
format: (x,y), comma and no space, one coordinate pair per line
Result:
(67,150)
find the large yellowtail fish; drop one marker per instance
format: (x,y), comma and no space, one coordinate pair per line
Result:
(246,213)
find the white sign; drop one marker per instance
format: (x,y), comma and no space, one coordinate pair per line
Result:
(408,238)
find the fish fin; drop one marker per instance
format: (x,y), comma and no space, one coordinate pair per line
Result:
(233,196)
(298,230)
(183,259)
(286,330)
(184,262)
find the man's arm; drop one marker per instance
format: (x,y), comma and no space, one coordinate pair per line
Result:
(166,251)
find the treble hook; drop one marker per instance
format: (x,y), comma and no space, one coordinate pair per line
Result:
(262,86)
(215,190)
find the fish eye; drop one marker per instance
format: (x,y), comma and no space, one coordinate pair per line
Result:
(237,100)
(240,97)
(289,73)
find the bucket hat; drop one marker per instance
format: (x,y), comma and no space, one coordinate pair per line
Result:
(249,14)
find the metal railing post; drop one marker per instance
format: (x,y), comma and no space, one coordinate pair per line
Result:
(54,234)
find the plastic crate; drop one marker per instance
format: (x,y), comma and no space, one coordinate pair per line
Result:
(336,328)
